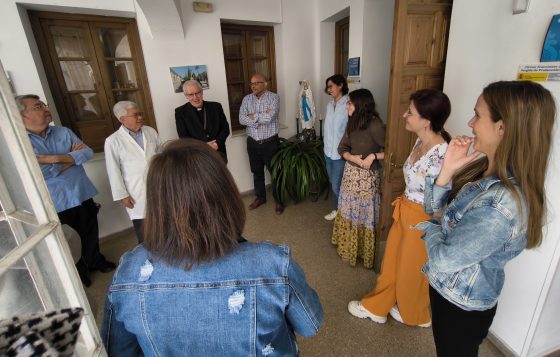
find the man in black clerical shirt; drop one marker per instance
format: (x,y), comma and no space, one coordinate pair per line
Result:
(202,120)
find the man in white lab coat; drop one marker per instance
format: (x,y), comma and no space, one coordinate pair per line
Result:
(127,154)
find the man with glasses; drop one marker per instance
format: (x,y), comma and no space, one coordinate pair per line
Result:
(127,154)
(202,120)
(61,154)
(259,112)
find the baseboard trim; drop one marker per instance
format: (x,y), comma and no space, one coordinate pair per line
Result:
(501,345)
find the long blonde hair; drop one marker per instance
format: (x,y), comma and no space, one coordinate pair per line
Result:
(527,110)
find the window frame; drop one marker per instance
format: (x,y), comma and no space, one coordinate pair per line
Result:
(35,227)
(40,19)
(244,31)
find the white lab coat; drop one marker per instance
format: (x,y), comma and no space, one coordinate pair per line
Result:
(127,166)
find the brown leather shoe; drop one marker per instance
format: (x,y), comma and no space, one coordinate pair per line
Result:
(256,203)
(279,208)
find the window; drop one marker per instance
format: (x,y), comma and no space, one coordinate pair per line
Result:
(92,62)
(342,40)
(247,50)
(37,273)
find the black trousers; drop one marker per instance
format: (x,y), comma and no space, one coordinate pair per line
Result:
(458,332)
(83,219)
(139,229)
(260,155)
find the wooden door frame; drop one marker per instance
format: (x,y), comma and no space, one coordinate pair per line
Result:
(338,42)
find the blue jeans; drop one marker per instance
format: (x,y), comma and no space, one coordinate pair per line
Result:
(335,169)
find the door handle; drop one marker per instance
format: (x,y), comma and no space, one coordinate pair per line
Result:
(392,166)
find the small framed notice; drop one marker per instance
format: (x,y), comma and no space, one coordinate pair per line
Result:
(539,72)
(354,67)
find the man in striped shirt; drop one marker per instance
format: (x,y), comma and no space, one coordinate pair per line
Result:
(259,112)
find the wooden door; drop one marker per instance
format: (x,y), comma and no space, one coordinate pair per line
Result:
(420,34)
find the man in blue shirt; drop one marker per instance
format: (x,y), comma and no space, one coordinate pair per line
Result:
(60,154)
(259,112)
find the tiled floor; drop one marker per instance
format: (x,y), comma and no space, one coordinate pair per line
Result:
(303,228)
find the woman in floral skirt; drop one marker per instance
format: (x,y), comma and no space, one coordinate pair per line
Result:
(358,203)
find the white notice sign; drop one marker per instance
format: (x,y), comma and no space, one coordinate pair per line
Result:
(539,72)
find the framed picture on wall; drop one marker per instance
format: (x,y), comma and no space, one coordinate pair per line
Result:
(180,75)
(551,47)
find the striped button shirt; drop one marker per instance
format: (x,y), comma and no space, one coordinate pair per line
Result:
(265,115)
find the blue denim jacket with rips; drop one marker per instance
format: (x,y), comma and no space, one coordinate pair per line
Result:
(247,303)
(479,231)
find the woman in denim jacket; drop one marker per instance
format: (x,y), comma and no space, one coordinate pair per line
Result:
(196,287)
(490,209)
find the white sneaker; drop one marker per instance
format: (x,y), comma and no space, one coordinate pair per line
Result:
(331,216)
(357,309)
(396,314)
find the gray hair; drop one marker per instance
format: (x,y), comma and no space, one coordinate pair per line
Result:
(120,109)
(20,98)
(192,82)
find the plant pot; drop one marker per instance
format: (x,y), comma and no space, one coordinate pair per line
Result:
(299,169)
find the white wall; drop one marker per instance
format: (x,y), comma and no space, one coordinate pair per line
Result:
(377,44)
(487,43)
(163,46)
(371,34)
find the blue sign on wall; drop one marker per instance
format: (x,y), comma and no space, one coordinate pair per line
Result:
(551,46)
(354,66)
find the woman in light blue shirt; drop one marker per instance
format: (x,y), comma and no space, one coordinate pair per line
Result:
(486,210)
(335,125)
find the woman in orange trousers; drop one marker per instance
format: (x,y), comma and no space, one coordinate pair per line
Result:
(402,289)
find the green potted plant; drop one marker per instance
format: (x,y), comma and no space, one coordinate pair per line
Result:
(298,168)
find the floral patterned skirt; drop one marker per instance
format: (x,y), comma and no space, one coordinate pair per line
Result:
(358,213)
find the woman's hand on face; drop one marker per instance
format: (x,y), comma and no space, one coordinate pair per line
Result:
(456,157)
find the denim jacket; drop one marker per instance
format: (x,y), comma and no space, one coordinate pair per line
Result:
(247,303)
(480,230)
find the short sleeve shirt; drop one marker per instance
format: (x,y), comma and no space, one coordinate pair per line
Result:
(415,173)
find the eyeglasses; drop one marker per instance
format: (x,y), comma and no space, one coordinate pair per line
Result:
(39,106)
(135,115)
(195,94)
(255,83)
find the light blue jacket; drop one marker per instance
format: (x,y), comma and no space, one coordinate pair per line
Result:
(247,303)
(335,125)
(480,230)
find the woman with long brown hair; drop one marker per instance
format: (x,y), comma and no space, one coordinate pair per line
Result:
(196,286)
(490,208)
(358,203)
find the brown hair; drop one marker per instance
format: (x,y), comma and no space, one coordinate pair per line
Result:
(364,110)
(339,80)
(194,212)
(433,105)
(527,110)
